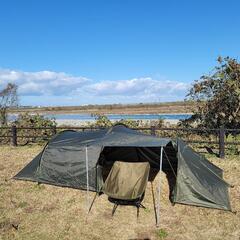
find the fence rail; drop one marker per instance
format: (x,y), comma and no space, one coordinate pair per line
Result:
(13,134)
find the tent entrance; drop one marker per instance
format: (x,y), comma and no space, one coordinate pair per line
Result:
(143,154)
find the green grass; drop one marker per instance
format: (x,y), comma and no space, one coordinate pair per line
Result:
(162,233)
(22,204)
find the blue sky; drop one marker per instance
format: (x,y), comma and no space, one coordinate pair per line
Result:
(87,52)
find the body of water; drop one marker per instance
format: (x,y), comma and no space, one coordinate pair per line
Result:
(114,117)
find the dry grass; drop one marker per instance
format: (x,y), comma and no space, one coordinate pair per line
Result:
(31,211)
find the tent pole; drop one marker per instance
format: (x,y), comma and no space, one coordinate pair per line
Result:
(154,202)
(87,198)
(90,208)
(159,187)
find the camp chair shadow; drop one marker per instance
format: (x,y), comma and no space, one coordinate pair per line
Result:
(126,184)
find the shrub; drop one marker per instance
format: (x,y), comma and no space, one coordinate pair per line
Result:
(34,121)
(101,121)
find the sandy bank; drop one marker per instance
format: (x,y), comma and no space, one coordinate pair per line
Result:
(79,123)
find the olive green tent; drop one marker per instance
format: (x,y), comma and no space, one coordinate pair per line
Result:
(83,160)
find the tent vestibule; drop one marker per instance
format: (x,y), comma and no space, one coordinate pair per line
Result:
(83,160)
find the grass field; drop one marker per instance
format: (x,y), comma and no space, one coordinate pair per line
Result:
(31,211)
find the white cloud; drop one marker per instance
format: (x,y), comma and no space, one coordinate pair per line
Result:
(144,88)
(42,83)
(59,88)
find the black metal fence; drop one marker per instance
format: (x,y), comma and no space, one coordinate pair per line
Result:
(217,139)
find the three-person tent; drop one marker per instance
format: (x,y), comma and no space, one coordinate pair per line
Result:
(83,160)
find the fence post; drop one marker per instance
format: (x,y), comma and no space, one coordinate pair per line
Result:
(153,130)
(54,130)
(14,135)
(221,142)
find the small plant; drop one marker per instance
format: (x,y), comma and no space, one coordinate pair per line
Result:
(38,187)
(147,210)
(162,233)
(22,204)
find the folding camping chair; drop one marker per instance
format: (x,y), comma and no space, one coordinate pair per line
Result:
(126,184)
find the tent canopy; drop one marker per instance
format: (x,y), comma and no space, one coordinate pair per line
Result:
(192,178)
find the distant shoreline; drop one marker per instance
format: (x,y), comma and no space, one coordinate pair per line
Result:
(161,114)
(84,119)
(180,107)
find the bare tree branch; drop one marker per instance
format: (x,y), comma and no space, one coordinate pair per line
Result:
(8,99)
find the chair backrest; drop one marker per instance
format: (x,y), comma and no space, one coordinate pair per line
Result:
(127,180)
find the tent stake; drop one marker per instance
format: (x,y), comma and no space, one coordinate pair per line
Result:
(159,188)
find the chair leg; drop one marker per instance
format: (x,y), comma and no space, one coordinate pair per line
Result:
(114,209)
(142,206)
